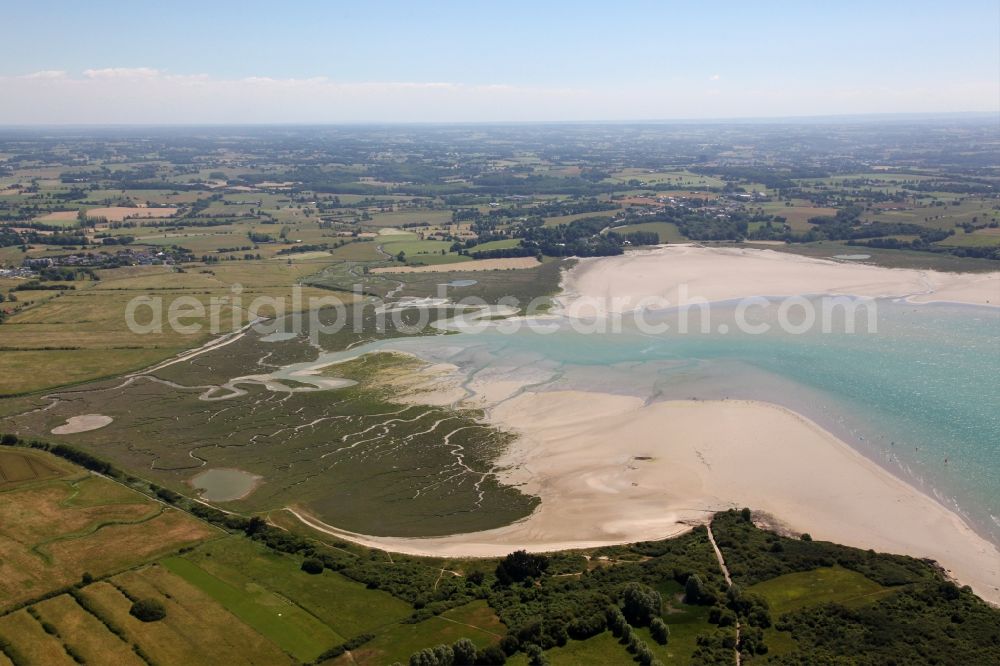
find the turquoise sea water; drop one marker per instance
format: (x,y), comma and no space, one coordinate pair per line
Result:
(921,395)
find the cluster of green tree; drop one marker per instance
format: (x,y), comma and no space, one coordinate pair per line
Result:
(413,179)
(707,228)
(579,238)
(72,194)
(964,187)
(297,249)
(61,238)
(928,620)
(214,258)
(927,623)
(258,237)
(506,184)
(754,555)
(622,629)
(974,224)
(462,652)
(10,238)
(923,245)
(36,285)
(350,644)
(773,178)
(168,225)
(538,209)
(544,611)
(117,240)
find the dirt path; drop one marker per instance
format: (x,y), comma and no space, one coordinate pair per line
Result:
(729,582)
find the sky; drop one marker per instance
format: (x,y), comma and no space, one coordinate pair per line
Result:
(297,61)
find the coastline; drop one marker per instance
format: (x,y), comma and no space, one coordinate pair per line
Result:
(613,469)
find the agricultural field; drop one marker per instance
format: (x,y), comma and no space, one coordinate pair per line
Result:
(677,179)
(57,523)
(195,629)
(66,337)
(666,231)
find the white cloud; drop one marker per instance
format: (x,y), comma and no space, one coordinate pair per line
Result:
(122,73)
(714,77)
(45,74)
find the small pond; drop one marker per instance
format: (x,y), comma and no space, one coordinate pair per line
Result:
(224,485)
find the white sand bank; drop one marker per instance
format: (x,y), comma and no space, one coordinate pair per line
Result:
(672,275)
(83,423)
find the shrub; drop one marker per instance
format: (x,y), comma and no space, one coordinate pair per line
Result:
(520,565)
(694,590)
(660,631)
(439,655)
(148,610)
(641,603)
(465,652)
(312,566)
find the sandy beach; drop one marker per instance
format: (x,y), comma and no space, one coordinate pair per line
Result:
(675,274)
(613,469)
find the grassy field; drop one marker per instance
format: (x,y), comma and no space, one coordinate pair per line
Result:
(475,621)
(270,614)
(556,220)
(667,231)
(825,585)
(810,588)
(978,238)
(270,593)
(59,524)
(596,651)
(680,179)
(31,371)
(196,629)
(797,215)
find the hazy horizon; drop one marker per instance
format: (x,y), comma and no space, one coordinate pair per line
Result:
(112,63)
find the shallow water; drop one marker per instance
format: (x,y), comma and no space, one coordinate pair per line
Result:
(919,395)
(223,485)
